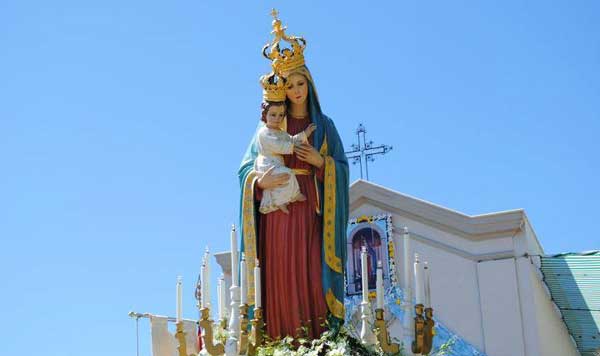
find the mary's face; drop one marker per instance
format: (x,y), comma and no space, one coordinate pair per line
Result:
(297,88)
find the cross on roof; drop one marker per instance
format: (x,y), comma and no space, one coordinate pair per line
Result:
(365,150)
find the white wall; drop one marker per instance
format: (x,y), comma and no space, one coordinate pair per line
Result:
(501,309)
(552,334)
(454,294)
(554,337)
(496,304)
(453,277)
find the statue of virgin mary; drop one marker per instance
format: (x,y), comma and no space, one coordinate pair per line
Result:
(302,253)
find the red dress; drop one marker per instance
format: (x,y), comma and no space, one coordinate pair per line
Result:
(289,250)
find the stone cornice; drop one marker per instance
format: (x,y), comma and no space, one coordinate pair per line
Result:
(472,227)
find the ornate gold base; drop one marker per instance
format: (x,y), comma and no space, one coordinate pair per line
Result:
(428,331)
(424,330)
(417,345)
(207,335)
(180,336)
(383,335)
(257,333)
(243,341)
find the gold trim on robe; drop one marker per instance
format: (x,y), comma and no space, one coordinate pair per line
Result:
(335,306)
(249,229)
(334,262)
(322,152)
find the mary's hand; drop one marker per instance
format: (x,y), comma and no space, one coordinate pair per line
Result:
(309,154)
(270,180)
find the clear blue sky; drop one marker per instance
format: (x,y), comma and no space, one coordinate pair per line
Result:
(122,124)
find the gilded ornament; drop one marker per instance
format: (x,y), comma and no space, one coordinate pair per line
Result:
(419,337)
(287,59)
(207,336)
(180,336)
(273,88)
(383,334)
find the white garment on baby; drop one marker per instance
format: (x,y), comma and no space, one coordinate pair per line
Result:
(272,145)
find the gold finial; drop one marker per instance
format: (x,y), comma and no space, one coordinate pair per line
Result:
(285,60)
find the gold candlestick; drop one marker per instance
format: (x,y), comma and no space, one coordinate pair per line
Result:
(207,336)
(180,336)
(243,342)
(257,332)
(417,345)
(383,335)
(428,331)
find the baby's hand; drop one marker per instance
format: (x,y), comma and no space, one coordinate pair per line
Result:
(310,129)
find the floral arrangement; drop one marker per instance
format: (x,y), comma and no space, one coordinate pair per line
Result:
(342,343)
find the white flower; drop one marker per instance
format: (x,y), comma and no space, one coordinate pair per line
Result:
(279,352)
(338,351)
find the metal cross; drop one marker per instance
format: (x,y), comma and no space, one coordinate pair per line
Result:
(365,150)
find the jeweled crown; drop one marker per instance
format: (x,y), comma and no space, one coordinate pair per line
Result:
(273,88)
(284,60)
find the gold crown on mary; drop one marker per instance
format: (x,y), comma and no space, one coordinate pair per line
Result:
(273,88)
(284,60)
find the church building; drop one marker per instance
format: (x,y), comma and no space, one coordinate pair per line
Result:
(493,290)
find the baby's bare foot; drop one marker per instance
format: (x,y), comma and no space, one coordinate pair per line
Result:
(300,197)
(284,209)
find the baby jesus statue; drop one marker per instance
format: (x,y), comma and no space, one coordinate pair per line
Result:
(272,144)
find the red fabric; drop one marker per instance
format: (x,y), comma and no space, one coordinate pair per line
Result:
(320,172)
(290,256)
(199,341)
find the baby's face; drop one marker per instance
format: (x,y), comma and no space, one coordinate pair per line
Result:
(275,116)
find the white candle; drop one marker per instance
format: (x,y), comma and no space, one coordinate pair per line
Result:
(203,285)
(224,296)
(257,291)
(418,280)
(207,279)
(379,285)
(365,274)
(219,299)
(407,264)
(179,297)
(244,281)
(221,289)
(427,286)
(234,257)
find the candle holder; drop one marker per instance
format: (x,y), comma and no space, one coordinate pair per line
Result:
(407,321)
(428,331)
(207,336)
(367,336)
(257,333)
(417,344)
(383,334)
(180,336)
(243,341)
(234,318)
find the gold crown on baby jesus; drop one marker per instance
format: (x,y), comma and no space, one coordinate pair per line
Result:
(286,60)
(273,88)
